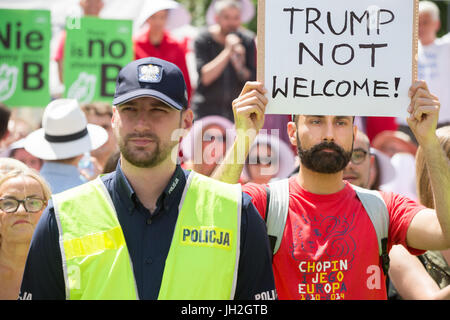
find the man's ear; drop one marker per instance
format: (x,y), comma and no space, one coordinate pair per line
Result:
(292,132)
(187,119)
(372,160)
(114,115)
(372,171)
(438,26)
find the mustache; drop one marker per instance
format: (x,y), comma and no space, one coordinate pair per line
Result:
(148,135)
(327,145)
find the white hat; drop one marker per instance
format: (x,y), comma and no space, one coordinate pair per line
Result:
(64,133)
(387,170)
(178,15)
(247,12)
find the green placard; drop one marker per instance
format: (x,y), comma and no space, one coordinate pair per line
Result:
(94,52)
(24,57)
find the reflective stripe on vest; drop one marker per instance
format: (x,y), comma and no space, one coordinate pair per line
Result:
(95,256)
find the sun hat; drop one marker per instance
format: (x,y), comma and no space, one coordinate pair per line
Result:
(279,150)
(151,77)
(65,132)
(384,137)
(247,11)
(19,144)
(193,139)
(178,14)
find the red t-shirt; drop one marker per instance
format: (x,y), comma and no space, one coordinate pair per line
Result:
(169,49)
(329,248)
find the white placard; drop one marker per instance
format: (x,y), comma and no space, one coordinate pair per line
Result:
(329,57)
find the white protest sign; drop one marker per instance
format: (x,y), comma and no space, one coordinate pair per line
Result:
(346,57)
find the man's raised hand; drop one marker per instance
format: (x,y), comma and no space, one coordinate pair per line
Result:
(249,107)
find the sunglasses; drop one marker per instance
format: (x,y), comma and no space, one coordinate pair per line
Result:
(214,138)
(358,156)
(262,160)
(31,205)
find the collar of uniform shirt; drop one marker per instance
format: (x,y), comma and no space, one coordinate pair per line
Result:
(165,200)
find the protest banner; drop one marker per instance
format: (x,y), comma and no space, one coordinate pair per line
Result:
(24,57)
(94,52)
(347,57)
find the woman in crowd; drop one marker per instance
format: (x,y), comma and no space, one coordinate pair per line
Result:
(17,151)
(23,197)
(269,158)
(425,277)
(206,144)
(154,39)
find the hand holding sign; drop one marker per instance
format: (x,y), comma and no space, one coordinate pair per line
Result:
(424,113)
(249,108)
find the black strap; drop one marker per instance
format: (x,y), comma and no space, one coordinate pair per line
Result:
(384,256)
(272,239)
(68,137)
(267,203)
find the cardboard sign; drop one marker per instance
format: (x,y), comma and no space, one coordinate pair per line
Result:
(24,57)
(94,52)
(328,57)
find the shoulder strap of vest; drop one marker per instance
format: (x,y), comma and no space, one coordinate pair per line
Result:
(277,211)
(379,215)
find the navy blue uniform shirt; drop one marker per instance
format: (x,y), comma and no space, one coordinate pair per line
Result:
(148,236)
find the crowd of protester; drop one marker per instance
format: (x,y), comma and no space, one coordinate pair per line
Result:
(385,153)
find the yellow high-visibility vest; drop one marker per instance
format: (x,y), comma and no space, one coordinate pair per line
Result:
(202,261)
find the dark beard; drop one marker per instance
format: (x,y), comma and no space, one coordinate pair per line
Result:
(324,162)
(148,159)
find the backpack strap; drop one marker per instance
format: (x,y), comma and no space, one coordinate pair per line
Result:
(379,215)
(277,194)
(277,211)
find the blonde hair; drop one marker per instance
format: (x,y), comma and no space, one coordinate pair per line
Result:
(28,172)
(10,164)
(423,184)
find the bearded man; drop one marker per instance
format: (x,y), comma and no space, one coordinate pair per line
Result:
(329,247)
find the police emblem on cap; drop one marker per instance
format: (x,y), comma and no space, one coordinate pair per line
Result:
(150,73)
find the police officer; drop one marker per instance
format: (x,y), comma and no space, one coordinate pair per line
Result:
(150,230)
